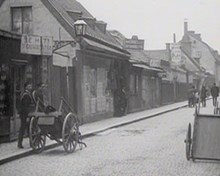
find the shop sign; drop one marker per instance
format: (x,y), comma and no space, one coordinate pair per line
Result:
(31,44)
(47,45)
(176,54)
(36,45)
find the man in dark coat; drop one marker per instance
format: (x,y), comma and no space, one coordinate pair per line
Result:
(27,106)
(191,96)
(203,94)
(214,93)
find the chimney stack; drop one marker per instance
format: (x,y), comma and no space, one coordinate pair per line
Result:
(185,27)
(174,38)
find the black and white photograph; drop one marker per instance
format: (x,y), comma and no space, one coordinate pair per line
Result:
(109,88)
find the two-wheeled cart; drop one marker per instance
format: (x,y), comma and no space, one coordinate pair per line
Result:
(204,143)
(61,126)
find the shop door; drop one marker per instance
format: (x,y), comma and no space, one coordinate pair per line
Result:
(17,73)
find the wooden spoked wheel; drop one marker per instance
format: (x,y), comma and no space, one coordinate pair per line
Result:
(37,139)
(70,133)
(188,142)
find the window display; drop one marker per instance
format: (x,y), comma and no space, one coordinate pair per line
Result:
(4,92)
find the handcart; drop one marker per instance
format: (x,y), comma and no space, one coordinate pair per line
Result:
(204,142)
(61,126)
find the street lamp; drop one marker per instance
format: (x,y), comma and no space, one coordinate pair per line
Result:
(80,27)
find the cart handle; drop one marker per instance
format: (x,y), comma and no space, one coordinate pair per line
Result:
(66,103)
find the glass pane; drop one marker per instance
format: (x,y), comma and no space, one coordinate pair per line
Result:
(16,14)
(27,14)
(17,27)
(27,28)
(16,20)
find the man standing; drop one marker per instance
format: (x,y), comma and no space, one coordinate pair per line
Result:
(203,94)
(27,106)
(214,93)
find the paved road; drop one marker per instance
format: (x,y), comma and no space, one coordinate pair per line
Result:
(151,147)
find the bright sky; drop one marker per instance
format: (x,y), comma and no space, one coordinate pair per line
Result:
(155,21)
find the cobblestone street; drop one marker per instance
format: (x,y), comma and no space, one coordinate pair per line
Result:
(151,147)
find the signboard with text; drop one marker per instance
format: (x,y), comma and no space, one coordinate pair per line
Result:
(176,54)
(31,44)
(47,45)
(36,45)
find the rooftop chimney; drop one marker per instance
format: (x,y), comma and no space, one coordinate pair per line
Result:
(102,26)
(174,38)
(185,27)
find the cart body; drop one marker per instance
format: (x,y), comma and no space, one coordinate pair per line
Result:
(204,144)
(61,125)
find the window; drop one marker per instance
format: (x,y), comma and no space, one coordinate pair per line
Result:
(22,20)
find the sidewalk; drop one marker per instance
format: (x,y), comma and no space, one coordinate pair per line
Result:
(10,152)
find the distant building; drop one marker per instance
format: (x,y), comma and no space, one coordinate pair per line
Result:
(202,54)
(134,43)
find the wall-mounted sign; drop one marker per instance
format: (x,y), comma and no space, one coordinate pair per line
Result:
(36,45)
(31,44)
(47,45)
(176,54)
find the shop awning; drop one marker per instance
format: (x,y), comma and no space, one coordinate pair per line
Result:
(94,45)
(148,67)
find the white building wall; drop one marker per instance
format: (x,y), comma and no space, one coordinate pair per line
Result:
(206,60)
(44,23)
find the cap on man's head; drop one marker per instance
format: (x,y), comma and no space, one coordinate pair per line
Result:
(26,84)
(39,84)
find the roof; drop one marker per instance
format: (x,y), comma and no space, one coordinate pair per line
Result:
(139,56)
(9,34)
(189,34)
(60,10)
(157,54)
(93,45)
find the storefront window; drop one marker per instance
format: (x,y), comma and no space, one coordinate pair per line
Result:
(4,91)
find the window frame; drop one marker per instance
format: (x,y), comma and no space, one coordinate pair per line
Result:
(22,9)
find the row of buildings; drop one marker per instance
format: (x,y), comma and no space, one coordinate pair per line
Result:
(61,44)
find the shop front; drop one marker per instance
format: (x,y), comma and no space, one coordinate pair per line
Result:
(15,70)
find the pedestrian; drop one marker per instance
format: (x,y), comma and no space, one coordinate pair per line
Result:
(203,95)
(214,93)
(191,96)
(27,106)
(38,97)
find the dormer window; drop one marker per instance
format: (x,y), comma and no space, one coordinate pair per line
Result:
(22,20)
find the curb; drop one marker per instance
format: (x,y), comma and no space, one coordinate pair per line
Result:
(87,135)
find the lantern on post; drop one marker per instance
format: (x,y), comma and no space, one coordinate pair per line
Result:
(80,27)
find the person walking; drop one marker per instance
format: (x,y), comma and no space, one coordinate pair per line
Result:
(27,106)
(214,93)
(203,95)
(191,96)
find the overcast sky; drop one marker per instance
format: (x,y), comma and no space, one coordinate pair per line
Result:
(155,21)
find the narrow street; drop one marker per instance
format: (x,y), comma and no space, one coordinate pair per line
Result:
(151,147)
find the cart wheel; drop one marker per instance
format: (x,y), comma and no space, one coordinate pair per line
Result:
(37,139)
(70,133)
(188,142)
